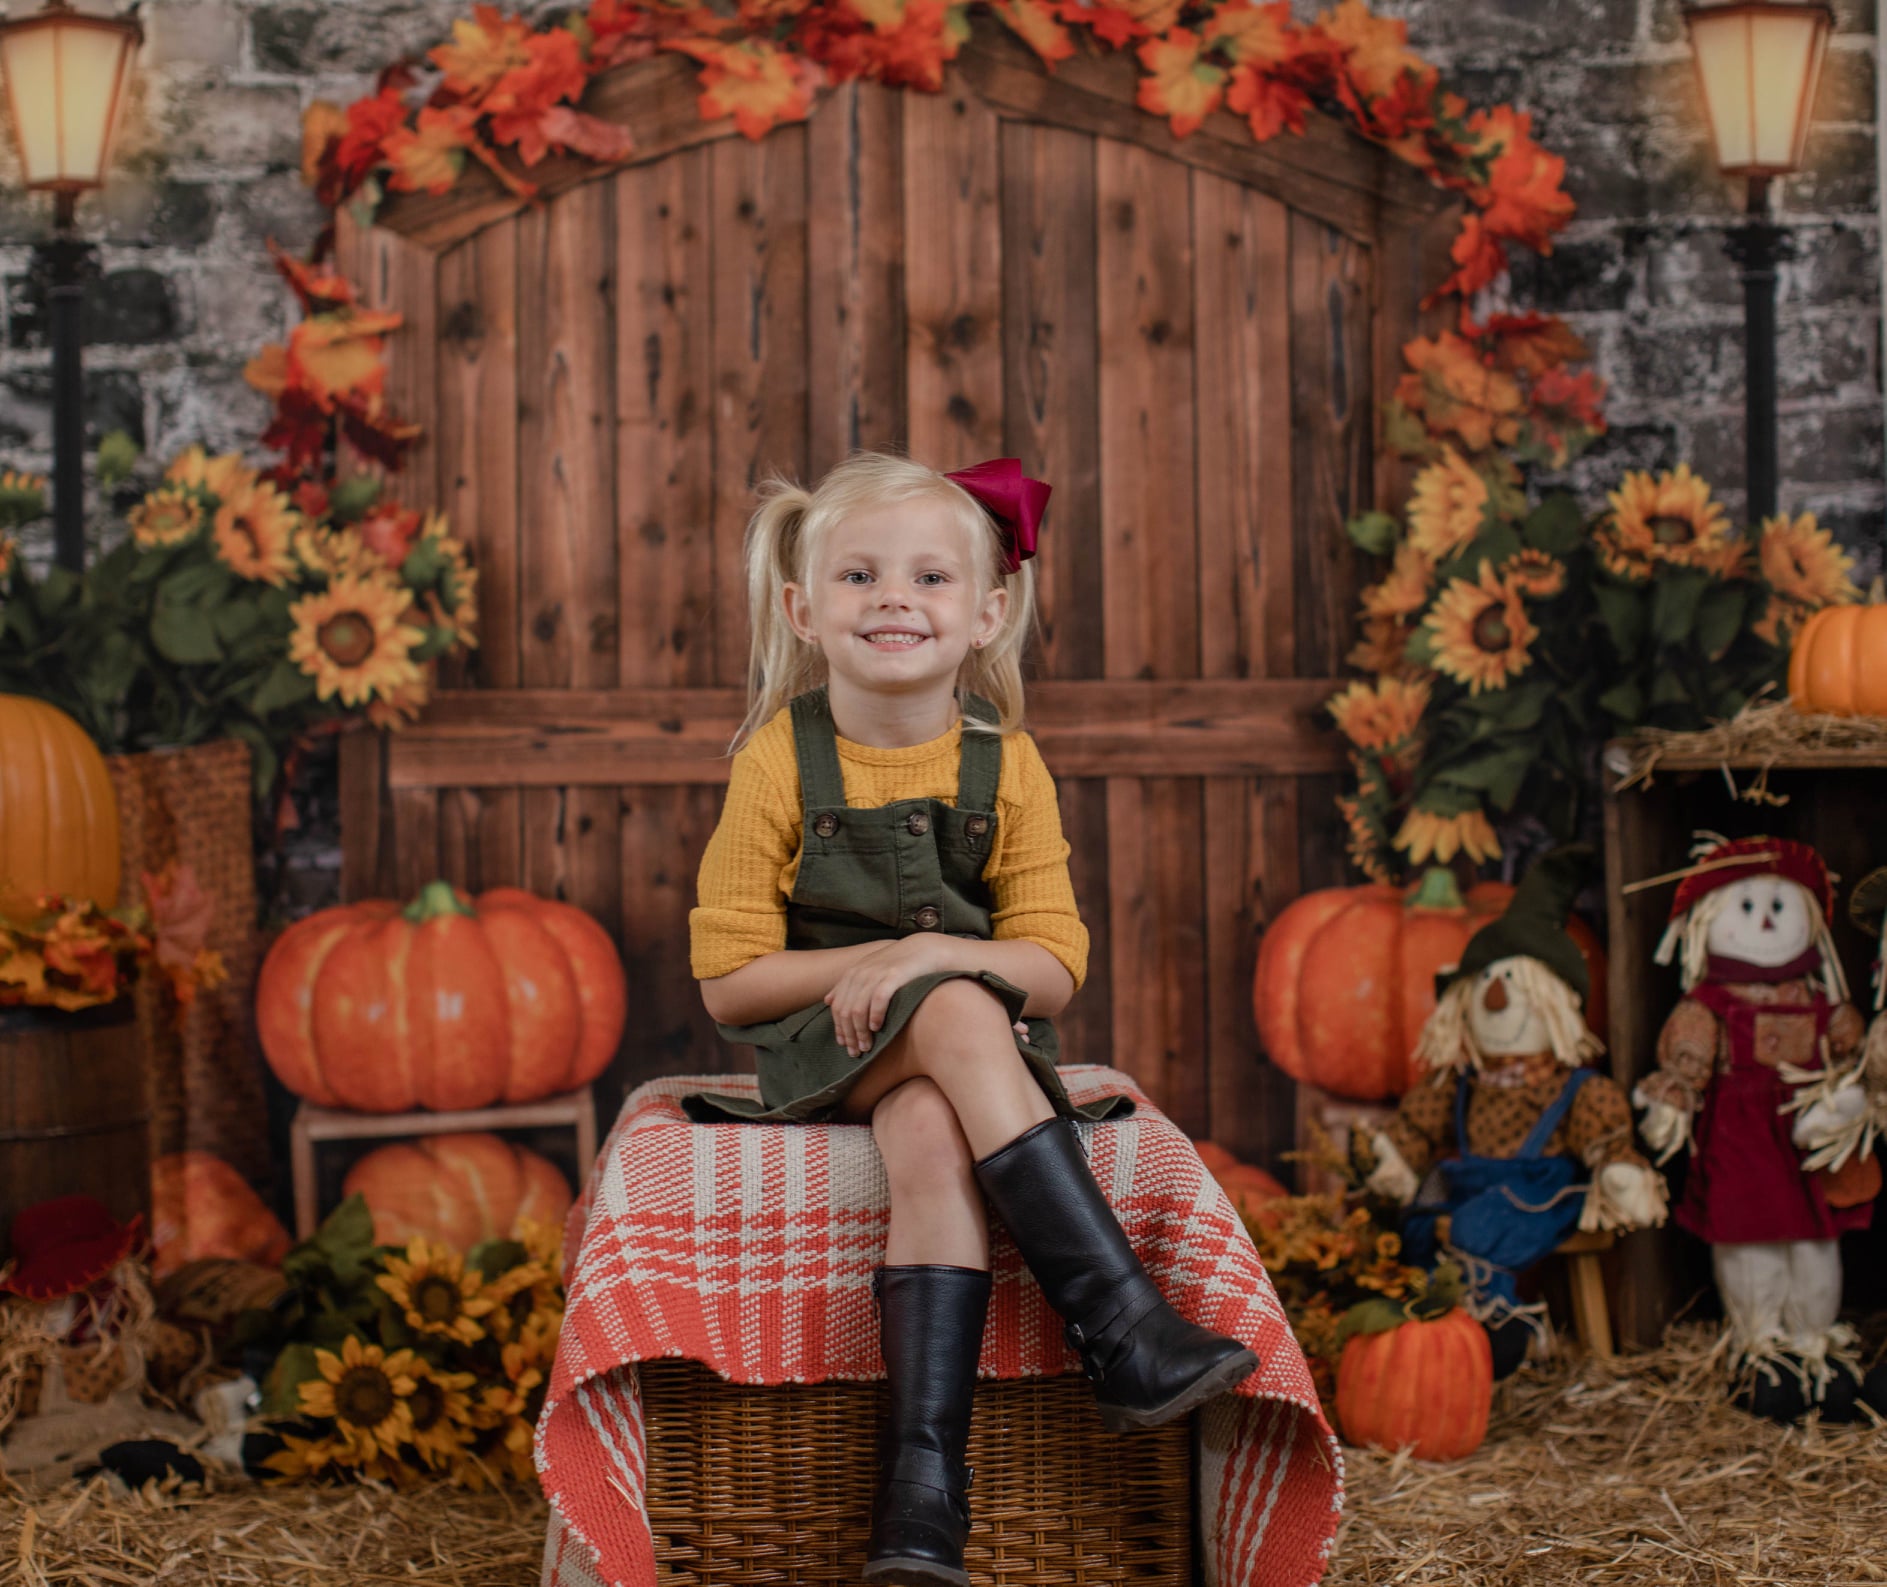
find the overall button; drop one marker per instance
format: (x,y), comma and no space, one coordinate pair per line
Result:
(976,826)
(927,919)
(917,823)
(825,824)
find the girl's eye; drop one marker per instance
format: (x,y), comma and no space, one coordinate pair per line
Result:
(930,578)
(854,576)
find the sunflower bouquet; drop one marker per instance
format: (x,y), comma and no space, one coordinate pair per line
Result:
(240,603)
(406,1366)
(1512,632)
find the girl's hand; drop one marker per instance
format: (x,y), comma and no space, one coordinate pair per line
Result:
(861,996)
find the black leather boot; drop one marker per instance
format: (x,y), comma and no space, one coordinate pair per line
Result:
(1147,1363)
(930,1327)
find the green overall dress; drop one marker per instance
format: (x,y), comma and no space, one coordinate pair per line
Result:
(865,876)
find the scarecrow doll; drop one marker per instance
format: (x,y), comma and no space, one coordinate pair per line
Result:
(1512,1142)
(1754,1076)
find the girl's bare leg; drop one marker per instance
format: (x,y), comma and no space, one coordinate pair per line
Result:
(937,1212)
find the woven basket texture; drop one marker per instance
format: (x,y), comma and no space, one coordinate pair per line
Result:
(204,1080)
(751,1485)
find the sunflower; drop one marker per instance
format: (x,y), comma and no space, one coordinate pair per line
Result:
(168,516)
(9,551)
(1404,592)
(253,530)
(367,1394)
(331,551)
(1481,631)
(1362,840)
(438,1296)
(300,1458)
(351,641)
(1538,574)
(221,477)
(1779,621)
(1448,507)
(1376,715)
(1424,834)
(1802,563)
(22,498)
(1383,647)
(459,583)
(402,703)
(1667,519)
(442,1413)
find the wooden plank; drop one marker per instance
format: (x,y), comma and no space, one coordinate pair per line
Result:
(657,100)
(415,840)
(664,433)
(1279,884)
(1086,1026)
(1051,418)
(535,738)
(568,584)
(1242,284)
(1333,419)
(758,217)
(1328,173)
(952,279)
(406,278)
(855,275)
(366,832)
(1411,261)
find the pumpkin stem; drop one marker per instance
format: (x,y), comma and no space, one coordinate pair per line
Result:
(1437,890)
(435,899)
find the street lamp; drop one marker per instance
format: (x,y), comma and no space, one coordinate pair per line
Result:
(65,79)
(1758,63)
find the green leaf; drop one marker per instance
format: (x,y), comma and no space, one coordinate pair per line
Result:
(495,1258)
(184,634)
(1720,619)
(285,686)
(1374,532)
(295,1366)
(235,618)
(346,1239)
(1556,526)
(1376,1315)
(1421,646)
(117,455)
(1668,688)
(351,498)
(1675,596)
(1403,432)
(1624,703)
(1622,610)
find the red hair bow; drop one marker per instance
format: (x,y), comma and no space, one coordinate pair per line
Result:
(1014,500)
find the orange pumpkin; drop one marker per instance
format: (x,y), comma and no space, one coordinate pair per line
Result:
(457,1189)
(444,1004)
(1426,1386)
(58,814)
(201,1207)
(1839,663)
(1346,978)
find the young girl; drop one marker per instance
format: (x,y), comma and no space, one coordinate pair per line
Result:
(886,917)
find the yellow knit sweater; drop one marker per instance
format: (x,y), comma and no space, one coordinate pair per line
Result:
(751,862)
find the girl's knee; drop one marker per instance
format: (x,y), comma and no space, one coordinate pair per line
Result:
(959,1011)
(919,1136)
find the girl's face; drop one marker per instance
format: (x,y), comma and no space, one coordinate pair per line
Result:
(893,599)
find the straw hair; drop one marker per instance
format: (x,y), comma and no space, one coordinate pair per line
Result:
(1447,1045)
(1687,939)
(784,538)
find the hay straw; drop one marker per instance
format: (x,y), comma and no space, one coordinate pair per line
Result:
(1634,1471)
(233,1531)
(1764,731)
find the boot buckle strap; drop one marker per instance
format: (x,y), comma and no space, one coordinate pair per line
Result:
(928,1468)
(1089,1341)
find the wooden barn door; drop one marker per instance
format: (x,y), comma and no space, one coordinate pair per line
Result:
(1188,339)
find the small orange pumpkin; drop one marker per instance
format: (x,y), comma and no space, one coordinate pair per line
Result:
(1839,663)
(202,1207)
(1346,978)
(444,1004)
(457,1189)
(1425,1386)
(58,814)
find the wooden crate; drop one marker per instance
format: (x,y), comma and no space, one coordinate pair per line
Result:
(1831,799)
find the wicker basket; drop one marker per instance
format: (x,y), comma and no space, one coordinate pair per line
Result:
(773,1485)
(205,1084)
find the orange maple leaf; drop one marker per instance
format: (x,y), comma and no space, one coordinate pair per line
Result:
(590,136)
(1180,86)
(1268,104)
(1387,86)
(1455,390)
(335,357)
(517,102)
(1479,259)
(1527,344)
(322,124)
(1263,35)
(483,49)
(429,158)
(1119,22)
(1529,204)
(750,80)
(1033,21)
(268,370)
(319,290)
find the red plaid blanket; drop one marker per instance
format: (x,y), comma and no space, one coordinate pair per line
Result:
(750,1249)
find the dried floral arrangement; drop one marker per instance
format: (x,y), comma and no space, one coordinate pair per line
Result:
(70,954)
(408,1366)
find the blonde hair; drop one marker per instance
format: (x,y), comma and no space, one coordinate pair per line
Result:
(1447,1045)
(783,539)
(1689,935)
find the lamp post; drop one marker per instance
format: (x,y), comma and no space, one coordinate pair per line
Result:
(65,78)
(1758,62)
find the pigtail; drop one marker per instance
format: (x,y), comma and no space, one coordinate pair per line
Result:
(779,663)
